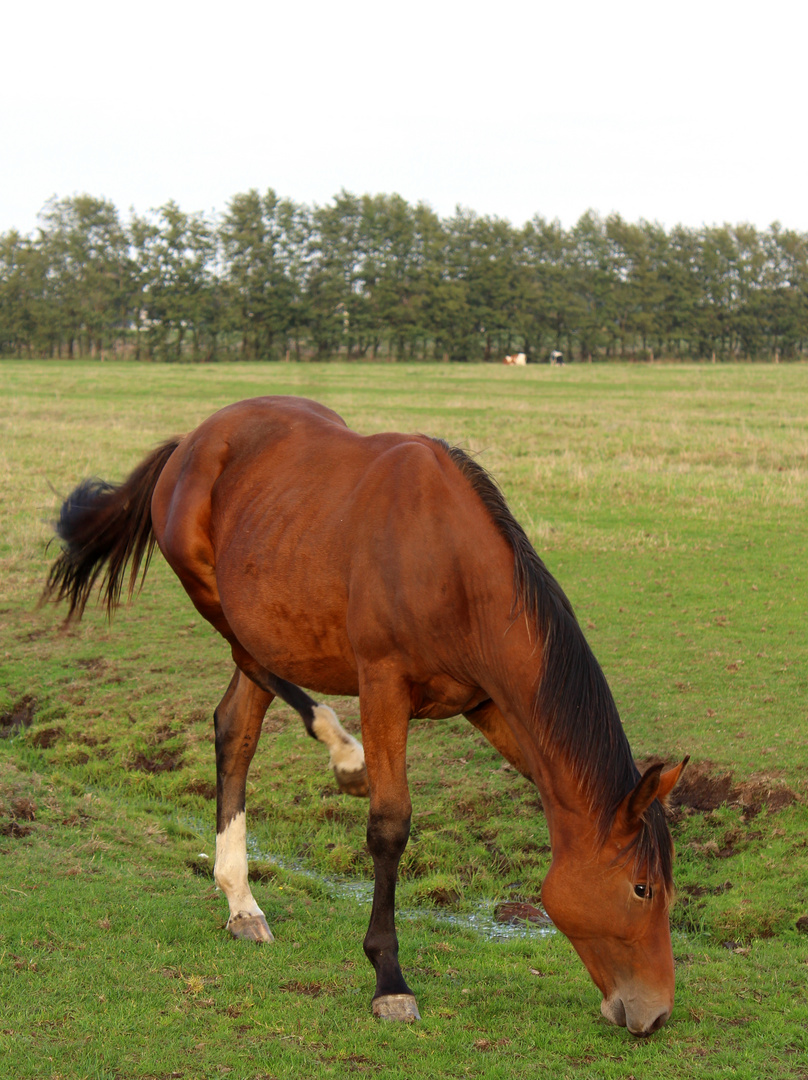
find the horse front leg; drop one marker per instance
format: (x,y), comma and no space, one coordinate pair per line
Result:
(237,721)
(385,718)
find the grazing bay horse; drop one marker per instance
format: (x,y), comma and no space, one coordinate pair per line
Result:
(389,566)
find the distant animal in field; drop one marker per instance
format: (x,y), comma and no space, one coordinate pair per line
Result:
(518,359)
(389,566)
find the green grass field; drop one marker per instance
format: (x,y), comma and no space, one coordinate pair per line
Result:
(670,502)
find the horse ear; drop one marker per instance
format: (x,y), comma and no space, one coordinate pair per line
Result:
(669,779)
(637,801)
(653,784)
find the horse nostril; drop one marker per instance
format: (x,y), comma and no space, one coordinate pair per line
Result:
(655,1025)
(614,1010)
(659,1022)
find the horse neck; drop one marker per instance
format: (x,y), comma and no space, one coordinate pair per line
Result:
(543,724)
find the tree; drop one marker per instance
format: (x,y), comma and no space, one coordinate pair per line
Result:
(784,292)
(25,317)
(339,308)
(546,250)
(262,272)
(86,252)
(637,255)
(373,275)
(178,286)
(592,297)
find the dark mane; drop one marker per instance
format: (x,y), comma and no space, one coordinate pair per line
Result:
(573,710)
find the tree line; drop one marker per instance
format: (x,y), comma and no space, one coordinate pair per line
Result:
(373,277)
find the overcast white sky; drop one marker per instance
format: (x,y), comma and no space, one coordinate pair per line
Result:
(691,112)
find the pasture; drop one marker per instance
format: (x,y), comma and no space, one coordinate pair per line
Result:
(669,501)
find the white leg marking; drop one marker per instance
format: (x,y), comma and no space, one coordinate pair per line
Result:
(230,868)
(346,753)
(347,758)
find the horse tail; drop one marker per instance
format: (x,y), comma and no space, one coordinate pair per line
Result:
(108,526)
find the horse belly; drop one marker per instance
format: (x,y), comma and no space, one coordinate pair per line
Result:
(291,624)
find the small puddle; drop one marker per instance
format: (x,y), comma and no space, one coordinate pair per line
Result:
(482,920)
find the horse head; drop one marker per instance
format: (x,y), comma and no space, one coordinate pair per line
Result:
(610,896)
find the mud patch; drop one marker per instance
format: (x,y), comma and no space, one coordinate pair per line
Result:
(21,811)
(500,862)
(443,897)
(24,809)
(19,717)
(200,866)
(335,813)
(95,665)
(261,871)
(310,989)
(706,890)
(161,734)
(764,792)
(733,842)
(205,788)
(44,738)
(14,830)
(704,788)
(516,912)
(158,762)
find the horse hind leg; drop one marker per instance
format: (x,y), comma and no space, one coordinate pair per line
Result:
(238,719)
(346,756)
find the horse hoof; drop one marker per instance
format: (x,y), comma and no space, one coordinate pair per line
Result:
(396,1007)
(353,783)
(249,928)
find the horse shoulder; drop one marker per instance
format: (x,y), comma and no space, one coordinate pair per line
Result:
(426,555)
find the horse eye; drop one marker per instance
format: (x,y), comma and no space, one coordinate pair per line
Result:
(645,892)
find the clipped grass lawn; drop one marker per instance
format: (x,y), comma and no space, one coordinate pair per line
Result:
(671,504)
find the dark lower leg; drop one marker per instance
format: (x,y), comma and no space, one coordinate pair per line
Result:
(387,838)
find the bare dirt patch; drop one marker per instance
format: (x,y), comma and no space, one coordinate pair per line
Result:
(205,788)
(44,738)
(95,665)
(310,989)
(514,912)
(21,811)
(705,788)
(443,897)
(706,890)
(158,762)
(18,717)
(14,829)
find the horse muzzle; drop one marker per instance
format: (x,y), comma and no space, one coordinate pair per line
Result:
(641,1020)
